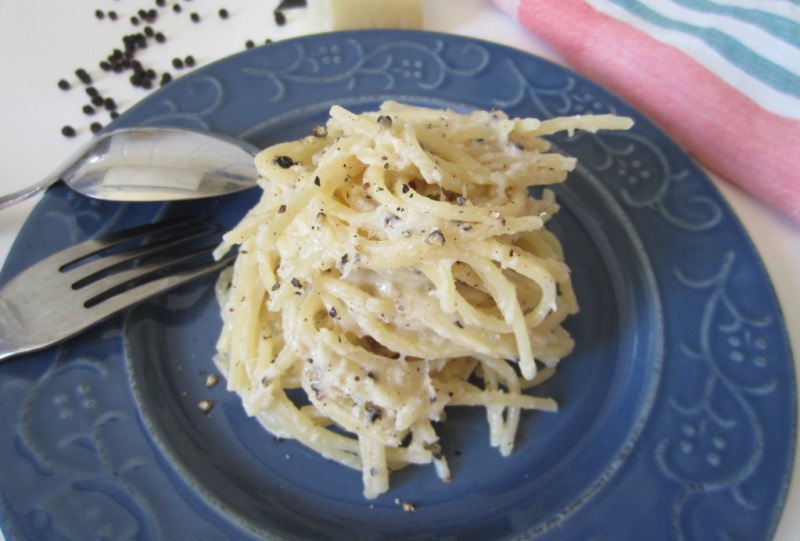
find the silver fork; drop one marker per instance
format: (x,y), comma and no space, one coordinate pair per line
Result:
(85,284)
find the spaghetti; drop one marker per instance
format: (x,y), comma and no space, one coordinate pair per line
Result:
(395,266)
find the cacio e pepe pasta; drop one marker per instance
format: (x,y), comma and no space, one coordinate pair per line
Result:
(397,265)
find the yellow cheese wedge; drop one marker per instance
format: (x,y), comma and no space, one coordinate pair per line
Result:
(330,15)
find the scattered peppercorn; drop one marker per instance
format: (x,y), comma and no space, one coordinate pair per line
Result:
(289,4)
(249,44)
(95,127)
(280,18)
(122,59)
(83,76)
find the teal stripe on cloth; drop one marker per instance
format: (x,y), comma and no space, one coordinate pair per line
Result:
(755,65)
(780,27)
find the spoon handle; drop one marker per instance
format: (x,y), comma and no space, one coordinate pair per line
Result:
(34,189)
(26,193)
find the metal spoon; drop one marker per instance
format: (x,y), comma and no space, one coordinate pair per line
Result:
(153,164)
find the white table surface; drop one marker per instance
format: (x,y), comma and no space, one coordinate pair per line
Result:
(43,41)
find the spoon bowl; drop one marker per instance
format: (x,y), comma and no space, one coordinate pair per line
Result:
(153,164)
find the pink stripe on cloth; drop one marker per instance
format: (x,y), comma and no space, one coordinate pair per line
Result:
(722,128)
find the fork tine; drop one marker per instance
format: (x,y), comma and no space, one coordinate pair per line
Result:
(172,237)
(109,306)
(84,250)
(105,287)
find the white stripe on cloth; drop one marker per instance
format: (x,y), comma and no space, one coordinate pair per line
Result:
(781,8)
(757,40)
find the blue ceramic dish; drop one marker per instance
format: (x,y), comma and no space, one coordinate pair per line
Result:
(677,415)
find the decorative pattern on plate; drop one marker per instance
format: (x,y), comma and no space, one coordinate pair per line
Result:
(389,67)
(89,453)
(717,444)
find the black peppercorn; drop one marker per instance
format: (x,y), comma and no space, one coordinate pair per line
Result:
(88,110)
(68,131)
(63,84)
(249,44)
(284,162)
(195,17)
(289,4)
(189,61)
(95,127)
(177,63)
(83,75)
(223,13)
(99,14)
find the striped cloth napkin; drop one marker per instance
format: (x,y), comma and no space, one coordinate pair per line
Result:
(722,77)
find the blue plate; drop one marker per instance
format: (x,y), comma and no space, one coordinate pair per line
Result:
(677,415)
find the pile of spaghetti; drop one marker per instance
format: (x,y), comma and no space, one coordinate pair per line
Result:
(396,265)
